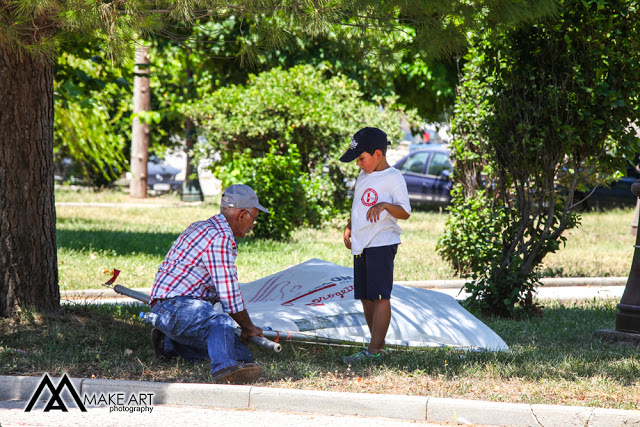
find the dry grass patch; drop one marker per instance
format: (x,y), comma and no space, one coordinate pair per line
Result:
(597,392)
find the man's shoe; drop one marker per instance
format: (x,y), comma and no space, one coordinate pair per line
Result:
(157,341)
(241,373)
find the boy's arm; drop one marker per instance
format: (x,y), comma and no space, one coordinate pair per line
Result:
(347,235)
(396,211)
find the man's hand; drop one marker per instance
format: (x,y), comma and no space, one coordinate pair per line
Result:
(250,332)
(247,328)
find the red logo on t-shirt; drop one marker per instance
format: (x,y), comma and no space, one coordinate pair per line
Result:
(370,197)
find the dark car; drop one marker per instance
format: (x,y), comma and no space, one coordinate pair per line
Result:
(161,176)
(613,194)
(427,173)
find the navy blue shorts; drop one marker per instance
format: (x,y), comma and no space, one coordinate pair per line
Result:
(373,272)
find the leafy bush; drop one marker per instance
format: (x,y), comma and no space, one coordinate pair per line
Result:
(91,119)
(470,241)
(298,108)
(85,135)
(541,109)
(291,197)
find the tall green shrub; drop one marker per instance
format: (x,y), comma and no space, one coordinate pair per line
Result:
(541,109)
(290,195)
(300,108)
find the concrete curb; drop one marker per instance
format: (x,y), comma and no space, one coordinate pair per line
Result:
(547,282)
(151,204)
(98,294)
(418,408)
(559,282)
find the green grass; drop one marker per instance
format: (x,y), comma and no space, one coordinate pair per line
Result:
(601,247)
(135,240)
(554,359)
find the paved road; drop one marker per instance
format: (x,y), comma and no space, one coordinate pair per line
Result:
(12,414)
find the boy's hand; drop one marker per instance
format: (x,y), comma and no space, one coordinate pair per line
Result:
(373,214)
(347,236)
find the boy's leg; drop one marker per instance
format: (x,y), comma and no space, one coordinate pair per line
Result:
(380,310)
(379,283)
(367,307)
(360,287)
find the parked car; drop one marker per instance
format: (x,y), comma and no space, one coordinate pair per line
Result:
(427,172)
(613,194)
(161,176)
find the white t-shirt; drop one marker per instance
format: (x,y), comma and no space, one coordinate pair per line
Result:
(383,186)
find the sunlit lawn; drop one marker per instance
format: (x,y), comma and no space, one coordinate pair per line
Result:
(135,240)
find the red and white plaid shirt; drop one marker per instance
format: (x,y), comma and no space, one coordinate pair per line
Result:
(201,264)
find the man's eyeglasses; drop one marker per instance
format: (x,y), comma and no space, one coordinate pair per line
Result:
(252,217)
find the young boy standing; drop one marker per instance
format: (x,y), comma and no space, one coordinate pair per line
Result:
(373,233)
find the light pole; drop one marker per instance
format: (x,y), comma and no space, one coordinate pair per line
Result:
(191,190)
(628,315)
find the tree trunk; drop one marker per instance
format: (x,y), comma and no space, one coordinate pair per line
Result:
(140,130)
(28,258)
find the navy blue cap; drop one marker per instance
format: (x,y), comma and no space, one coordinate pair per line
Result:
(366,139)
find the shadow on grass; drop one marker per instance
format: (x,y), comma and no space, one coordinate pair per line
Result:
(132,243)
(116,242)
(81,340)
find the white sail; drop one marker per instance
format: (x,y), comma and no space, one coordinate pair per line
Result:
(315,298)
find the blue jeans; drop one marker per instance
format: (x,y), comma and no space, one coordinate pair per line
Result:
(195,331)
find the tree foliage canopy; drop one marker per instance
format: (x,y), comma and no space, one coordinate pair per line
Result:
(196,61)
(382,47)
(541,109)
(433,28)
